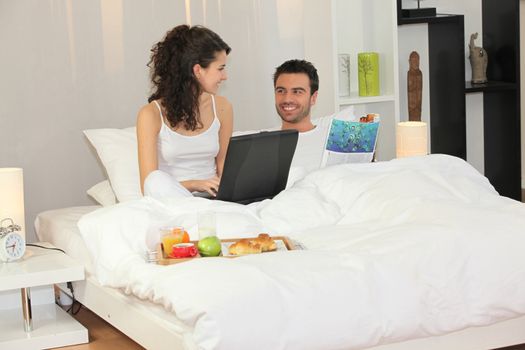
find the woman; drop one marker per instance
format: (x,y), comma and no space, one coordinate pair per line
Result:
(183,132)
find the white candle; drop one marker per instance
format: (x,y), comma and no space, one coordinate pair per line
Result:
(411,139)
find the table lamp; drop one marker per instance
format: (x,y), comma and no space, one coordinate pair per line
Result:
(12,196)
(411,139)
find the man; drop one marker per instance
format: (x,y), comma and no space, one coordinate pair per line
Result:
(296,85)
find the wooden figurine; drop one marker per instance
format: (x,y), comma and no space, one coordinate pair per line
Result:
(414,88)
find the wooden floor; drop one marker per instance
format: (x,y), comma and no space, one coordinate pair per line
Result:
(103,336)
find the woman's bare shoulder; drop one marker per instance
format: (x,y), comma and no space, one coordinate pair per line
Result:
(224,107)
(149,115)
(222,101)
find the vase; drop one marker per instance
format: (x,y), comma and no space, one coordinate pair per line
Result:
(344,74)
(368,67)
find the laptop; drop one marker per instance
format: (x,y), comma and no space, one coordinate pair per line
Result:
(257,166)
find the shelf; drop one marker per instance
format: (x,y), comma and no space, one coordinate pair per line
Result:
(39,267)
(489,86)
(52,328)
(439,18)
(354,99)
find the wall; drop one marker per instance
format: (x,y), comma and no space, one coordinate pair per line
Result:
(71,65)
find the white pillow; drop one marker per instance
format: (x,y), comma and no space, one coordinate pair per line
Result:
(117,149)
(103,193)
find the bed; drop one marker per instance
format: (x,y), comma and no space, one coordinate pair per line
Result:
(414,253)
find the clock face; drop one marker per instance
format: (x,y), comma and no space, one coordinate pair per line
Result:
(14,246)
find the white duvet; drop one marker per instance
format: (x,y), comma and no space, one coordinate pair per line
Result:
(396,250)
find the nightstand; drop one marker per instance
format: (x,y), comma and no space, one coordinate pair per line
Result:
(46,325)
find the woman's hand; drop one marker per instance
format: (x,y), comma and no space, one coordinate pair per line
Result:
(210,185)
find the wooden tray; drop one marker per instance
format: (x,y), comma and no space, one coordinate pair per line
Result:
(163,259)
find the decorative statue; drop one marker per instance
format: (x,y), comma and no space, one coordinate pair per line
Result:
(478,61)
(414,88)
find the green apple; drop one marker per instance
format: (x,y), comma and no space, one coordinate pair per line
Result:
(209,246)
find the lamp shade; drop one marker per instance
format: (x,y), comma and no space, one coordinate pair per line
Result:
(12,196)
(411,139)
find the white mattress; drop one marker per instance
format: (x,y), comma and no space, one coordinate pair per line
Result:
(59,227)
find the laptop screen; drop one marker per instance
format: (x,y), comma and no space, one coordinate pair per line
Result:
(257,166)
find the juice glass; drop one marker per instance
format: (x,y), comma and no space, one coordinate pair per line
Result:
(170,236)
(206,224)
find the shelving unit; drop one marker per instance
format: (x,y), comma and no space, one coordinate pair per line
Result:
(350,27)
(354,99)
(446,59)
(501,102)
(489,86)
(49,325)
(438,18)
(501,96)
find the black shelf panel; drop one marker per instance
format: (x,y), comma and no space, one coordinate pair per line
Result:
(489,86)
(501,108)
(439,18)
(446,72)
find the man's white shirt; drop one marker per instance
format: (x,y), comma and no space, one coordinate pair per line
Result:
(311,145)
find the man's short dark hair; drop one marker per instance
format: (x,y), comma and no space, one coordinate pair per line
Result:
(299,66)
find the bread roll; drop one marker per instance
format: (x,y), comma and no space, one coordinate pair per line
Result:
(266,242)
(244,246)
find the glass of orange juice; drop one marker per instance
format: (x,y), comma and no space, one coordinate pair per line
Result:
(170,236)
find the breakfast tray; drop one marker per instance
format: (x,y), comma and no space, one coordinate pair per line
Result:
(283,244)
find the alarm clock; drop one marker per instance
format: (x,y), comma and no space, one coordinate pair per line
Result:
(12,243)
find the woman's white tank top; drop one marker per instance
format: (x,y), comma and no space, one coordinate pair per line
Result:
(189,157)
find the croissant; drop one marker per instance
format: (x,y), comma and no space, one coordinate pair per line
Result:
(266,242)
(245,246)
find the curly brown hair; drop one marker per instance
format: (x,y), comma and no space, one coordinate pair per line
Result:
(172,77)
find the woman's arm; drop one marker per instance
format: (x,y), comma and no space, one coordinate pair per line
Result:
(225,115)
(148,127)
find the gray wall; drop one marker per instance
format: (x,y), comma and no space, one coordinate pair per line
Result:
(70,65)
(67,66)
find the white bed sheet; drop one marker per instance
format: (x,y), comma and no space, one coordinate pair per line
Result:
(59,227)
(398,250)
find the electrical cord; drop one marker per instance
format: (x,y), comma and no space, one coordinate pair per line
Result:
(69,284)
(41,246)
(72,307)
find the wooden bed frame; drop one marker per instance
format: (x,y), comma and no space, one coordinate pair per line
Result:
(155,332)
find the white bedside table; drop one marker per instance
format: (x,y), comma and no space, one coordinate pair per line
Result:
(43,326)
